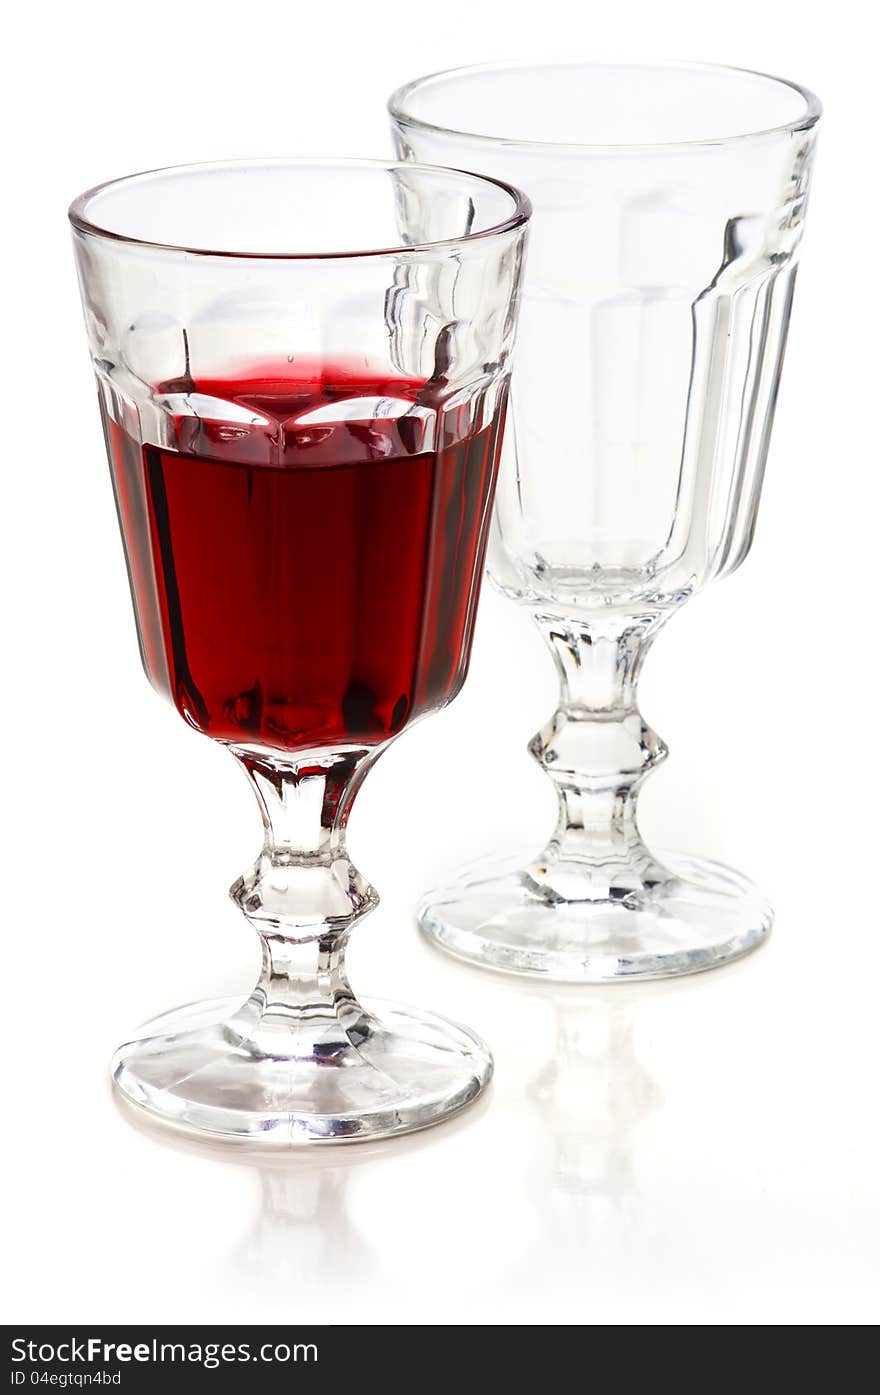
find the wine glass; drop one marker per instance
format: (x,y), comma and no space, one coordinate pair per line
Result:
(302,408)
(669,205)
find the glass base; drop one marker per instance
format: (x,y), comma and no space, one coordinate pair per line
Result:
(691,915)
(224,1070)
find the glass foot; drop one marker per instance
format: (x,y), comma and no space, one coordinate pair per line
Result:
(227,1070)
(690,914)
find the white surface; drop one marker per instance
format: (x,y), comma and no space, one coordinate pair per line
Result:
(699,1151)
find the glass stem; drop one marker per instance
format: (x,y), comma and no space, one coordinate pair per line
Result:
(597,748)
(303,896)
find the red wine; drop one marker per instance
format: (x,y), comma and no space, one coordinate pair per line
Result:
(305,561)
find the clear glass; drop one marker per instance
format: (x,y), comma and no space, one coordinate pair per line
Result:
(303,440)
(669,205)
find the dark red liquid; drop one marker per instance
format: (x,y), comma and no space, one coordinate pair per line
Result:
(302,583)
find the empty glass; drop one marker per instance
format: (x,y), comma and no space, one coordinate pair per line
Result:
(669,205)
(302,407)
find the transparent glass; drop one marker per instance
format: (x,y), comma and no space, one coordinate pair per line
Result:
(303,439)
(669,205)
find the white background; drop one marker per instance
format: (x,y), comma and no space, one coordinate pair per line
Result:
(701,1151)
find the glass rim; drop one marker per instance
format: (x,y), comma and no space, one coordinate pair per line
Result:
(397,108)
(518,218)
